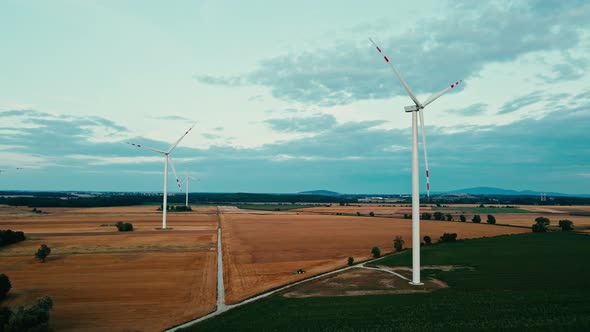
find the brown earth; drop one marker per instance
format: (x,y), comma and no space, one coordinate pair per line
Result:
(105,280)
(262,252)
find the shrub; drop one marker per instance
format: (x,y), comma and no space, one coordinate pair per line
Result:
(476,219)
(372,214)
(5,286)
(427,240)
(448,237)
(42,253)
(398,243)
(33,318)
(462,218)
(449,217)
(9,237)
(566,225)
(426,216)
(350,261)
(491,219)
(543,220)
(376,252)
(124,226)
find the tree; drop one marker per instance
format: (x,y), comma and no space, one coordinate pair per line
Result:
(539,227)
(543,220)
(427,240)
(43,252)
(491,219)
(398,243)
(449,217)
(350,261)
(426,216)
(448,237)
(439,216)
(462,218)
(476,219)
(566,225)
(5,286)
(358,213)
(124,226)
(376,252)
(372,214)
(32,318)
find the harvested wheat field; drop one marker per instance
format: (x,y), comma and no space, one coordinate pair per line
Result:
(519,219)
(261,252)
(105,280)
(364,209)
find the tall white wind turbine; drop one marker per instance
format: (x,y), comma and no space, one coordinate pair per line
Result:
(416,110)
(186,180)
(167,160)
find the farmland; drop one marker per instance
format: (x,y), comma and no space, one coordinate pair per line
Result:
(538,276)
(104,280)
(263,251)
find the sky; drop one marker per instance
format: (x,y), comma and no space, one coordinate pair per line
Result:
(289,96)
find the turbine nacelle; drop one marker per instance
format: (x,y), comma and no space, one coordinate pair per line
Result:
(412,108)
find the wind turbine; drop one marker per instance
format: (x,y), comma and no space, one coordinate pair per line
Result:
(187,180)
(167,160)
(416,110)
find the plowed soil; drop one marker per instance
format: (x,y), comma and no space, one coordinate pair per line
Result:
(262,251)
(104,280)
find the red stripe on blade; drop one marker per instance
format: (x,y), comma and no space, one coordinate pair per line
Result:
(386,59)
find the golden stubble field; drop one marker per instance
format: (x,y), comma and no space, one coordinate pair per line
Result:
(104,280)
(262,251)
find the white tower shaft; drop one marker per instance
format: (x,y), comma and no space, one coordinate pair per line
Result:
(165,203)
(415,203)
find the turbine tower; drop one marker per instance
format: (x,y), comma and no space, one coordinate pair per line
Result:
(416,110)
(167,160)
(187,180)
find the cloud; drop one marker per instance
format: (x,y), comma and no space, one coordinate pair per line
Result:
(172,118)
(315,123)
(472,110)
(521,102)
(430,56)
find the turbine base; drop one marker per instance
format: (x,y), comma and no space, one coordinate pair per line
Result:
(416,283)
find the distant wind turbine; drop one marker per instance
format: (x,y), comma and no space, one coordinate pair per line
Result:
(416,109)
(187,180)
(167,160)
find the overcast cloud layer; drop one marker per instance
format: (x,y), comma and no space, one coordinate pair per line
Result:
(297,102)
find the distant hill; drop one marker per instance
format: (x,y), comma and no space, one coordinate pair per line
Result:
(500,191)
(319,192)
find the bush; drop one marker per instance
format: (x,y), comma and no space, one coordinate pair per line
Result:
(543,220)
(407,216)
(427,240)
(398,243)
(124,226)
(491,219)
(462,218)
(449,217)
(5,287)
(372,214)
(350,261)
(358,213)
(476,219)
(376,252)
(439,216)
(426,216)
(539,227)
(448,237)
(42,253)
(33,318)
(9,237)
(566,225)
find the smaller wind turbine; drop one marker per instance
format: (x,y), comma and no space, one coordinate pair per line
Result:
(187,180)
(167,160)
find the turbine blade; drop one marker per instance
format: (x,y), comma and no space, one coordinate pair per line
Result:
(174,172)
(399,77)
(424,147)
(440,93)
(146,147)
(180,139)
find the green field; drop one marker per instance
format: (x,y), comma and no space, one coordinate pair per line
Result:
(273,207)
(483,210)
(528,282)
